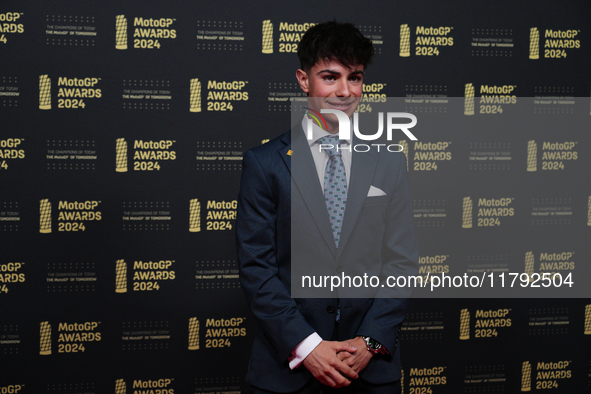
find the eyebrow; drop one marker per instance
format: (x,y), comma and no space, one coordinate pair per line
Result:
(356,72)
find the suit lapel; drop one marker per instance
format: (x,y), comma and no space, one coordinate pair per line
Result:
(285,151)
(363,166)
(305,181)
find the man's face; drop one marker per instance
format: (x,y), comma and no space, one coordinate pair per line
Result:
(330,85)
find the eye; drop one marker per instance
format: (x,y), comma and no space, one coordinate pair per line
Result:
(355,78)
(329,78)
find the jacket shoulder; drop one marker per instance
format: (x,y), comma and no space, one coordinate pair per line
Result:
(269,149)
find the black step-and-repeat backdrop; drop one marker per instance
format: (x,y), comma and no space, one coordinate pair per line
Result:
(123,126)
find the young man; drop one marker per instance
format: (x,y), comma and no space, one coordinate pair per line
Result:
(307,345)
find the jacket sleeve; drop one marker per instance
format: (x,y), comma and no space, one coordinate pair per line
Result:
(264,261)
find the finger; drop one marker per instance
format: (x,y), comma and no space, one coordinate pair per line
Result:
(339,379)
(333,378)
(346,371)
(350,362)
(328,381)
(344,355)
(343,347)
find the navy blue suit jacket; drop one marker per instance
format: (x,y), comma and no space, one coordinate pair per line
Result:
(281,192)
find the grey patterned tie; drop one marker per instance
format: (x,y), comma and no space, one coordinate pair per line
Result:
(335,186)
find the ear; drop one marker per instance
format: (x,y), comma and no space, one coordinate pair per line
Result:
(302,77)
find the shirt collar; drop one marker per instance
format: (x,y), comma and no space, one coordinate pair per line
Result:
(317,132)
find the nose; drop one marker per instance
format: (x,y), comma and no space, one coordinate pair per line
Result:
(343,89)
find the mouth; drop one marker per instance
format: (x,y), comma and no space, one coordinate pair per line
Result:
(341,105)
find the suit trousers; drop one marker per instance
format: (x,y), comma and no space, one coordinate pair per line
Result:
(358,386)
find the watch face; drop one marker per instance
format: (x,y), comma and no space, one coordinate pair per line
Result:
(372,345)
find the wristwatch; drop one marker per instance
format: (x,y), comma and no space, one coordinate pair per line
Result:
(372,345)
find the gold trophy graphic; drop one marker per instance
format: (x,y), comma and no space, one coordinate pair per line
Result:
(404,41)
(529,264)
(469,99)
(467,213)
(120,32)
(121,155)
(193,334)
(44,92)
(526,376)
(121,277)
(588,319)
(404,144)
(45,338)
(45,216)
(267,36)
(534,43)
(465,325)
(195,216)
(532,156)
(120,386)
(195,99)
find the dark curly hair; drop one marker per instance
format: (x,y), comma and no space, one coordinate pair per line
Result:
(334,40)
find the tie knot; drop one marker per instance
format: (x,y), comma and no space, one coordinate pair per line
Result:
(330,140)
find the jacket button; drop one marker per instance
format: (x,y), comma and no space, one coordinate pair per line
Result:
(331,309)
(339,269)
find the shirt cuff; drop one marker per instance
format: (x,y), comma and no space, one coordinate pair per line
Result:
(303,349)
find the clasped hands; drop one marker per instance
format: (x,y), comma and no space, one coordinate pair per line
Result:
(336,364)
